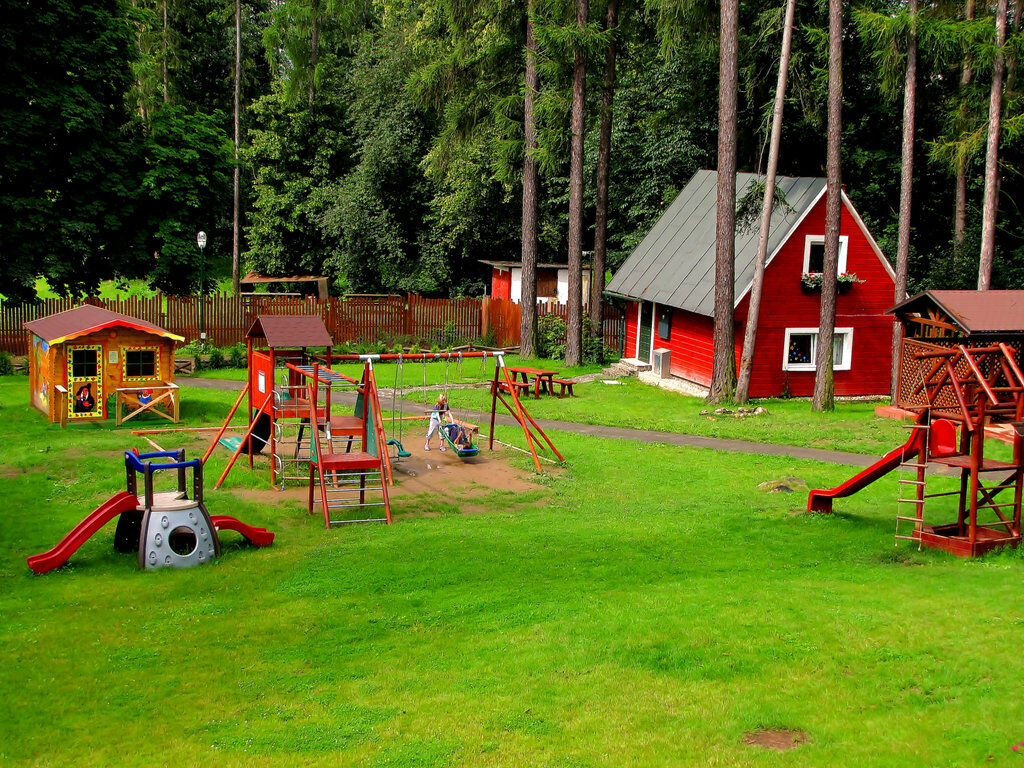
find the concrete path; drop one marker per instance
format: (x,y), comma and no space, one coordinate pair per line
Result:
(617,433)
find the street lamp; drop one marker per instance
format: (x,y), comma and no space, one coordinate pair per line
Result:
(201,242)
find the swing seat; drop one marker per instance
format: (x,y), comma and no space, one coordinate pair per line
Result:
(402,453)
(464,452)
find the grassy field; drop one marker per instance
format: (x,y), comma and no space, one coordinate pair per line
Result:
(646,606)
(853,426)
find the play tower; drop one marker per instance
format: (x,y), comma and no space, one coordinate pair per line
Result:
(959,373)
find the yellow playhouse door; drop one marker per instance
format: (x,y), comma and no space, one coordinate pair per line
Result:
(85,382)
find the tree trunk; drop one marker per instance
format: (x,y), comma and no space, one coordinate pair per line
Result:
(960,203)
(723,371)
(906,192)
(314,53)
(754,312)
(603,162)
(824,385)
(163,63)
(990,207)
(528,297)
(574,310)
(236,202)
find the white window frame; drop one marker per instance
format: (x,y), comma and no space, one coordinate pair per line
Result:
(810,240)
(842,365)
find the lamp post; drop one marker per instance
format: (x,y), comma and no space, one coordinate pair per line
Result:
(201,242)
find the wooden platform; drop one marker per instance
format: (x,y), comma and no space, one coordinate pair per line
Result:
(947,538)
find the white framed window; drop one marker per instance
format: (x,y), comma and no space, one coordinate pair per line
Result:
(801,348)
(814,253)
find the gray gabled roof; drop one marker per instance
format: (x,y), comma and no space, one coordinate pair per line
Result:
(675,263)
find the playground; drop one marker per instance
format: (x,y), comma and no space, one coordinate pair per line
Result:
(506,617)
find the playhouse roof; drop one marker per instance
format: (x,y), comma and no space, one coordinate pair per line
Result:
(675,263)
(79,321)
(284,331)
(973,311)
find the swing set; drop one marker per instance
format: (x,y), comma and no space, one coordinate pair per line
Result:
(502,389)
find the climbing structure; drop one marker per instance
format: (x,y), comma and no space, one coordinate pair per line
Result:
(959,373)
(355,479)
(966,388)
(959,370)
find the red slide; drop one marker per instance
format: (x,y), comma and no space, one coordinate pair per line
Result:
(943,437)
(259,537)
(103,514)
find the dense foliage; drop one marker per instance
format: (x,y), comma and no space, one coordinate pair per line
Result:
(382,144)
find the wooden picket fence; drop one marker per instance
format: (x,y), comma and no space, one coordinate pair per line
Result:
(226,318)
(505,319)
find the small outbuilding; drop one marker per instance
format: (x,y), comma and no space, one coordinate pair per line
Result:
(668,284)
(552,281)
(79,358)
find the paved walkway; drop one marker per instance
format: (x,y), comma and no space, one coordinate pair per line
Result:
(617,433)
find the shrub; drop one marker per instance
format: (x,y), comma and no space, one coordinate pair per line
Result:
(6,366)
(551,336)
(551,332)
(450,334)
(216,358)
(489,339)
(236,356)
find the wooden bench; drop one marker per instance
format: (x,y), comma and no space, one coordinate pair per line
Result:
(522,386)
(564,384)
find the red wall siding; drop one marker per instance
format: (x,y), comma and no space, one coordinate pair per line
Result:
(631,327)
(785,305)
(501,283)
(692,345)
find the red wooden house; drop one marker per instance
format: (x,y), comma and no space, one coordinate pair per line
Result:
(668,283)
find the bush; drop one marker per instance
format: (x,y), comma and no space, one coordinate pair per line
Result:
(217,358)
(489,339)
(551,332)
(450,334)
(6,366)
(236,356)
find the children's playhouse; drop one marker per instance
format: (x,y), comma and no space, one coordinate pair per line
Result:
(80,358)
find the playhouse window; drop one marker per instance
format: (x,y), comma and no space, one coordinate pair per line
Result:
(814,253)
(84,363)
(140,363)
(801,349)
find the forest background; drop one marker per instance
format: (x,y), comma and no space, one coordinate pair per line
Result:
(382,143)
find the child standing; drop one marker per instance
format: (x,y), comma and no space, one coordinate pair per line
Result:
(437,417)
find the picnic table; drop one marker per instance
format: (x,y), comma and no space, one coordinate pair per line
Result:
(542,379)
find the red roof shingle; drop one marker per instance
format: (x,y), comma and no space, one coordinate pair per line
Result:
(283,331)
(85,319)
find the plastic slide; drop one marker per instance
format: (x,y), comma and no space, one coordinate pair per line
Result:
(103,514)
(259,537)
(943,443)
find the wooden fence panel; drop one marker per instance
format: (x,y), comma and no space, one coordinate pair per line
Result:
(226,318)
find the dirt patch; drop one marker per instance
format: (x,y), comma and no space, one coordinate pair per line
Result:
(779,739)
(437,474)
(12,472)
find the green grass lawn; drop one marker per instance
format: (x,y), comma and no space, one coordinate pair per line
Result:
(853,426)
(647,606)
